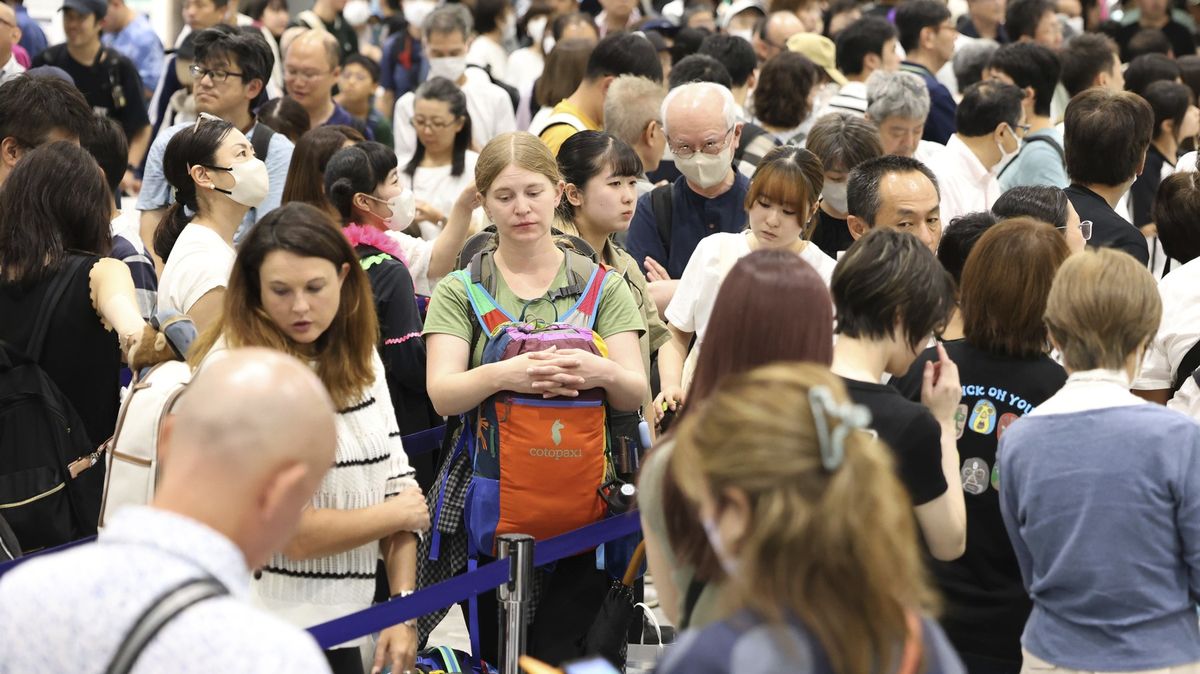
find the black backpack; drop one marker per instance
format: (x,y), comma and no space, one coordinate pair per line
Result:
(40,436)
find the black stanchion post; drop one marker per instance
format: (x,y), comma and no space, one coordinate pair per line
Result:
(514,599)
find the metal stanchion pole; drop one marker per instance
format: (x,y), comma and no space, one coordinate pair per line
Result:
(514,599)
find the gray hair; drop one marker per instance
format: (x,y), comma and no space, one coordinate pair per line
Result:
(898,94)
(632,102)
(452,18)
(729,107)
(970,60)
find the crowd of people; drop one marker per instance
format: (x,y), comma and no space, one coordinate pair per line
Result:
(788,271)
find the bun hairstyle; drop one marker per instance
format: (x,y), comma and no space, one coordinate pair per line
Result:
(192,146)
(348,173)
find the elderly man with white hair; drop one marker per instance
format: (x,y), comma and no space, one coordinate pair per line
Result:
(898,103)
(703,131)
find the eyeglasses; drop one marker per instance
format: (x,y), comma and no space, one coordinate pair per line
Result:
(711,147)
(306,75)
(1024,129)
(1085,228)
(434,124)
(205,117)
(218,76)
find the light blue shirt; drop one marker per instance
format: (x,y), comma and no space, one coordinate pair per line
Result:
(140,44)
(1100,494)
(157,192)
(1038,163)
(69,611)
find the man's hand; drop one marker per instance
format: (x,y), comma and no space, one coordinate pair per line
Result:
(397,647)
(655,271)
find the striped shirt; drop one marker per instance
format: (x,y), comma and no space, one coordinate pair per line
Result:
(369,466)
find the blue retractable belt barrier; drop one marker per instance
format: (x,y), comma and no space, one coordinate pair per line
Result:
(421,442)
(424,442)
(461,588)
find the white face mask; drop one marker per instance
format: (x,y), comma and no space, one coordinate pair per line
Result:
(746,34)
(404,209)
(357,12)
(1005,157)
(834,194)
(250,182)
(713,533)
(450,67)
(707,170)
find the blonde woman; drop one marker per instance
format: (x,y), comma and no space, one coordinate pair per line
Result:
(812,529)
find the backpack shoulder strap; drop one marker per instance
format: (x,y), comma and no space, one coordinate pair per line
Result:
(661,199)
(1062,154)
(589,294)
(261,142)
(750,132)
(54,294)
(487,310)
(1187,366)
(163,609)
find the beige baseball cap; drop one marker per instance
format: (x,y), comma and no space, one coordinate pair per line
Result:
(818,49)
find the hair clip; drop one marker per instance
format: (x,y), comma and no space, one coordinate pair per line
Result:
(850,417)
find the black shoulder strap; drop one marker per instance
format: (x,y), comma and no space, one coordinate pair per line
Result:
(261,142)
(160,612)
(749,133)
(1062,154)
(58,287)
(694,590)
(661,199)
(1187,366)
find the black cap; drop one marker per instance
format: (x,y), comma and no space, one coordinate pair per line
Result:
(97,7)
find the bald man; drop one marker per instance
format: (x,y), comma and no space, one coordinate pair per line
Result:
(10,35)
(310,71)
(248,444)
(774,32)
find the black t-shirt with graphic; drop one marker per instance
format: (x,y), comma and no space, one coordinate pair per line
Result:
(912,434)
(986,605)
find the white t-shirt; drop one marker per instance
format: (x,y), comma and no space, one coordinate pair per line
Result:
(436,186)
(200,261)
(714,256)
(486,53)
(1179,330)
(417,252)
(525,66)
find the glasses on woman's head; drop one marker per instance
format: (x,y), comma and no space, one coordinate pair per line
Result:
(205,117)
(1085,229)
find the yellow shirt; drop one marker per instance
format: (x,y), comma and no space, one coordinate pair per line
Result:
(554,136)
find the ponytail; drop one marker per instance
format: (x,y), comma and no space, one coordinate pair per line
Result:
(192,146)
(348,173)
(170,227)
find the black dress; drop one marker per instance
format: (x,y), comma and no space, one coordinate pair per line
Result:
(80,356)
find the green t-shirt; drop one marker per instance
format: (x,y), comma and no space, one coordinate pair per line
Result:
(450,311)
(655,334)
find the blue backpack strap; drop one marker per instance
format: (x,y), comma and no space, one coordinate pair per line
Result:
(473,623)
(589,299)
(449,660)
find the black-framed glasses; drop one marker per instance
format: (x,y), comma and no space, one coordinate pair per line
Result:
(1085,228)
(218,76)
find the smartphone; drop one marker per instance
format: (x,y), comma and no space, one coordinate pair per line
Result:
(592,665)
